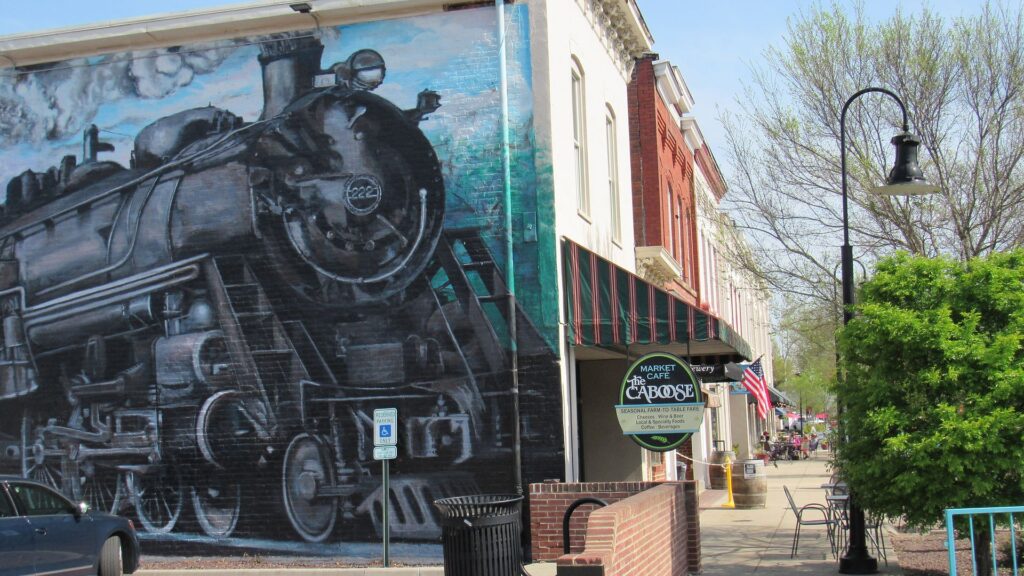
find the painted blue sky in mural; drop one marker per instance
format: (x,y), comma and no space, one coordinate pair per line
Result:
(42,116)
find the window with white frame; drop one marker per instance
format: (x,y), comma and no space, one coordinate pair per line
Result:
(613,174)
(705,270)
(714,279)
(683,230)
(579,139)
(671,213)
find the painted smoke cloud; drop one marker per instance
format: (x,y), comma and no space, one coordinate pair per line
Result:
(157,73)
(63,100)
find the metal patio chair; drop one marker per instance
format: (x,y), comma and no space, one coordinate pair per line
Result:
(875,531)
(874,528)
(826,521)
(836,498)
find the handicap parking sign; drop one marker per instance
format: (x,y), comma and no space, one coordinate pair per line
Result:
(385,425)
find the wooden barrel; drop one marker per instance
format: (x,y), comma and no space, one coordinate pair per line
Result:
(716,471)
(749,484)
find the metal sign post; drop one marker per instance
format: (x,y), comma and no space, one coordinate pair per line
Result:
(386,496)
(385,449)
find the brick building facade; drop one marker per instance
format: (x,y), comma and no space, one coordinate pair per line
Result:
(664,207)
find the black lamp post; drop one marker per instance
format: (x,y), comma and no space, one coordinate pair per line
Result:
(905,178)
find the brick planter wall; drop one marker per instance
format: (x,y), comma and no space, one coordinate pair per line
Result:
(647,534)
(548,502)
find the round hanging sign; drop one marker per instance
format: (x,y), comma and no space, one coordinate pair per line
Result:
(660,403)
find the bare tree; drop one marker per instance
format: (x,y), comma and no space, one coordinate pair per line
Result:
(962,80)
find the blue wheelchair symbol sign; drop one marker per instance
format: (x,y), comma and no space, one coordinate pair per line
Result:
(385,427)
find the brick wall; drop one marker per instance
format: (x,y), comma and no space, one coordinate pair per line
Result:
(548,502)
(647,221)
(661,161)
(547,505)
(647,534)
(693,558)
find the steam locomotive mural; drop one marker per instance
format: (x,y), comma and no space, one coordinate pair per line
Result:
(207,331)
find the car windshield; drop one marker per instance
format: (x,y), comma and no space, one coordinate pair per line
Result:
(40,501)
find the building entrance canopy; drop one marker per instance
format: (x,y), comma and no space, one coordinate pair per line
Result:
(612,308)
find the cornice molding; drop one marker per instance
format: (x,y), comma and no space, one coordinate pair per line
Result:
(691,131)
(621,28)
(673,88)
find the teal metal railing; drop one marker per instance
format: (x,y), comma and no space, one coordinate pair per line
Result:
(991,513)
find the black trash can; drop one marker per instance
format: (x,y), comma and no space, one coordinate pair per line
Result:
(481,534)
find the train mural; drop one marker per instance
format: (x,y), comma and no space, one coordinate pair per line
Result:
(198,338)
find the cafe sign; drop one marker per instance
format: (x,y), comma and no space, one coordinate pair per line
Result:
(660,402)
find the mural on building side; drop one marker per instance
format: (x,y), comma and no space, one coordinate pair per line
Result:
(196,330)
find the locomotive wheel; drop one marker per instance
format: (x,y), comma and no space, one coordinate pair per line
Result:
(48,462)
(306,467)
(217,503)
(105,490)
(45,473)
(59,473)
(158,496)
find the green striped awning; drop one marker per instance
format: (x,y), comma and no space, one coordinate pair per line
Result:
(609,306)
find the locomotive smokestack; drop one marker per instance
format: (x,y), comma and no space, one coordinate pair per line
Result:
(290,65)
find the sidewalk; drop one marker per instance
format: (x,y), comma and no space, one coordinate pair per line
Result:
(744,542)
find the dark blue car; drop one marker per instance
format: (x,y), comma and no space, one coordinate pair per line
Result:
(42,532)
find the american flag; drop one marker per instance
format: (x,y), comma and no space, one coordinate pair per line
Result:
(753,380)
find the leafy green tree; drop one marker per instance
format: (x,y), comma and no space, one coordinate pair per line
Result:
(806,337)
(934,391)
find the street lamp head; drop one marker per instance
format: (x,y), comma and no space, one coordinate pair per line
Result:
(906,177)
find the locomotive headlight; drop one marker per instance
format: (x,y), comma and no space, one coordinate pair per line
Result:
(364,70)
(369,78)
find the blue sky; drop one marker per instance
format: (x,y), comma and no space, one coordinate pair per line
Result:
(713,43)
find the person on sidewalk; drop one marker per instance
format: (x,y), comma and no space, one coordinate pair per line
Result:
(795,442)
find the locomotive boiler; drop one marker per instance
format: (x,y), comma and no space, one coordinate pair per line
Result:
(227,310)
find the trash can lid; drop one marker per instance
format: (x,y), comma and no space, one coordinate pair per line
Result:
(478,505)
